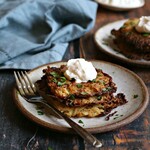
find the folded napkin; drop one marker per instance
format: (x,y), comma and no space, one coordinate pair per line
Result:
(36,32)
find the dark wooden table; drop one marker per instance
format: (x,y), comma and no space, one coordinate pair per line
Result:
(16,131)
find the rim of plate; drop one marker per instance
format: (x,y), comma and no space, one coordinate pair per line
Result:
(145,64)
(101,129)
(120,8)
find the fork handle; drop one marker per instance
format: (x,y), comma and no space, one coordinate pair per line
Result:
(88,137)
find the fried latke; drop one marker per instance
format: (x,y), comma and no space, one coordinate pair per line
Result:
(131,43)
(90,107)
(63,88)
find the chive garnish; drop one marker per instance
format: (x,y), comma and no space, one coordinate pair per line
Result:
(94,80)
(62,79)
(55,80)
(72,96)
(54,74)
(40,112)
(108,88)
(116,117)
(99,97)
(80,121)
(79,85)
(146,34)
(135,96)
(60,83)
(101,81)
(49,148)
(84,93)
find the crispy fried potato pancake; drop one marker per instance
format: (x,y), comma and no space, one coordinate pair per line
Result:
(83,107)
(131,43)
(63,88)
(95,110)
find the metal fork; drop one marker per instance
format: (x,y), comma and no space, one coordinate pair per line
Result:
(28,90)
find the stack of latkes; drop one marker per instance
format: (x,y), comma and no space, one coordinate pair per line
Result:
(85,99)
(130,42)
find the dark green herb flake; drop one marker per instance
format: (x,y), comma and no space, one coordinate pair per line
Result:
(79,85)
(99,97)
(146,34)
(72,96)
(116,118)
(135,96)
(80,121)
(60,83)
(108,88)
(62,79)
(55,80)
(40,112)
(49,148)
(94,80)
(54,74)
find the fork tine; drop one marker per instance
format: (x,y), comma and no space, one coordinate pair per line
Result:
(31,83)
(19,85)
(27,82)
(24,86)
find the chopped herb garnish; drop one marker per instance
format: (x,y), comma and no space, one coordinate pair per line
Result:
(146,34)
(40,112)
(62,79)
(123,26)
(49,148)
(84,93)
(116,117)
(108,88)
(79,85)
(60,83)
(55,80)
(54,74)
(72,96)
(94,80)
(80,121)
(101,81)
(99,97)
(135,96)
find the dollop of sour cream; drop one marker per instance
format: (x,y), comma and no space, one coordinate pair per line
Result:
(80,70)
(143,25)
(123,3)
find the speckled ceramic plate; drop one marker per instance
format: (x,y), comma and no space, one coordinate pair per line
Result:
(127,82)
(104,40)
(120,8)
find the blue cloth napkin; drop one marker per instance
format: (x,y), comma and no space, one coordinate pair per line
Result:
(36,32)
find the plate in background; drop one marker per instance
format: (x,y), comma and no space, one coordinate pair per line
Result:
(104,41)
(120,8)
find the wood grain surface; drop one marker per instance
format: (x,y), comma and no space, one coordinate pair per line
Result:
(19,133)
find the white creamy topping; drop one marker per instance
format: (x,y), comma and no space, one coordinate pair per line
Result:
(80,70)
(123,3)
(143,25)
